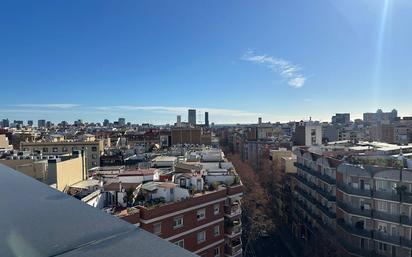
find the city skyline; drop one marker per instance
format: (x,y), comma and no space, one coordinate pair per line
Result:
(113,113)
(240,59)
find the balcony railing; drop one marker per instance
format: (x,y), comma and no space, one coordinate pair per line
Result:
(354,230)
(406,220)
(354,191)
(321,207)
(406,242)
(233,230)
(407,197)
(387,216)
(323,177)
(233,249)
(327,195)
(232,210)
(387,238)
(393,196)
(353,250)
(355,210)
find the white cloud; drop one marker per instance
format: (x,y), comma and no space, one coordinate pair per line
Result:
(50,106)
(284,68)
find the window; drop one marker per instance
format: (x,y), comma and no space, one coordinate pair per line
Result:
(45,150)
(94,156)
(382,206)
(180,243)
(55,149)
(201,237)
(177,222)
(157,228)
(216,252)
(94,148)
(216,230)
(216,209)
(201,214)
(74,148)
(64,149)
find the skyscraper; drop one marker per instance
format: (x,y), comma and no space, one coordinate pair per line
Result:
(192,117)
(41,123)
(122,122)
(207,119)
(179,121)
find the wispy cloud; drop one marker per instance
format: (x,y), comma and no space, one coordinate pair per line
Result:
(50,106)
(284,68)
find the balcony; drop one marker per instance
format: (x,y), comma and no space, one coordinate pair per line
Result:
(327,211)
(406,220)
(306,182)
(386,237)
(233,210)
(387,195)
(354,230)
(354,191)
(387,216)
(406,242)
(353,250)
(407,197)
(354,210)
(325,178)
(327,195)
(234,249)
(233,228)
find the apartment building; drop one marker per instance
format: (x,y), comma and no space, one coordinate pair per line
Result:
(365,204)
(307,133)
(93,149)
(198,209)
(314,197)
(374,215)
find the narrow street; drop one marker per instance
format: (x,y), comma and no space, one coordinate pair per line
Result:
(259,235)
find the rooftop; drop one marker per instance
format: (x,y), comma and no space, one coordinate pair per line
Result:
(86,231)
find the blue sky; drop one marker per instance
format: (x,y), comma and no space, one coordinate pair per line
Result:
(150,60)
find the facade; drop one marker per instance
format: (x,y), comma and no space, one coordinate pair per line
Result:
(314,198)
(374,215)
(207,119)
(341,118)
(179,121)
(380,116)
(192,117)
(307,134)
(362,210)
(61,171)
(41,123)
(67,170)
(4,142)
(184,135)
(93,150)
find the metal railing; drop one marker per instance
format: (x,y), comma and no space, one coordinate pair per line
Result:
(386,237)
(323,177)
(354,230)
(354,210)
(393,196)
(354,191)
(387,216)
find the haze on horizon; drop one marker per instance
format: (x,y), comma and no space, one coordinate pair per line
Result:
(148,62)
